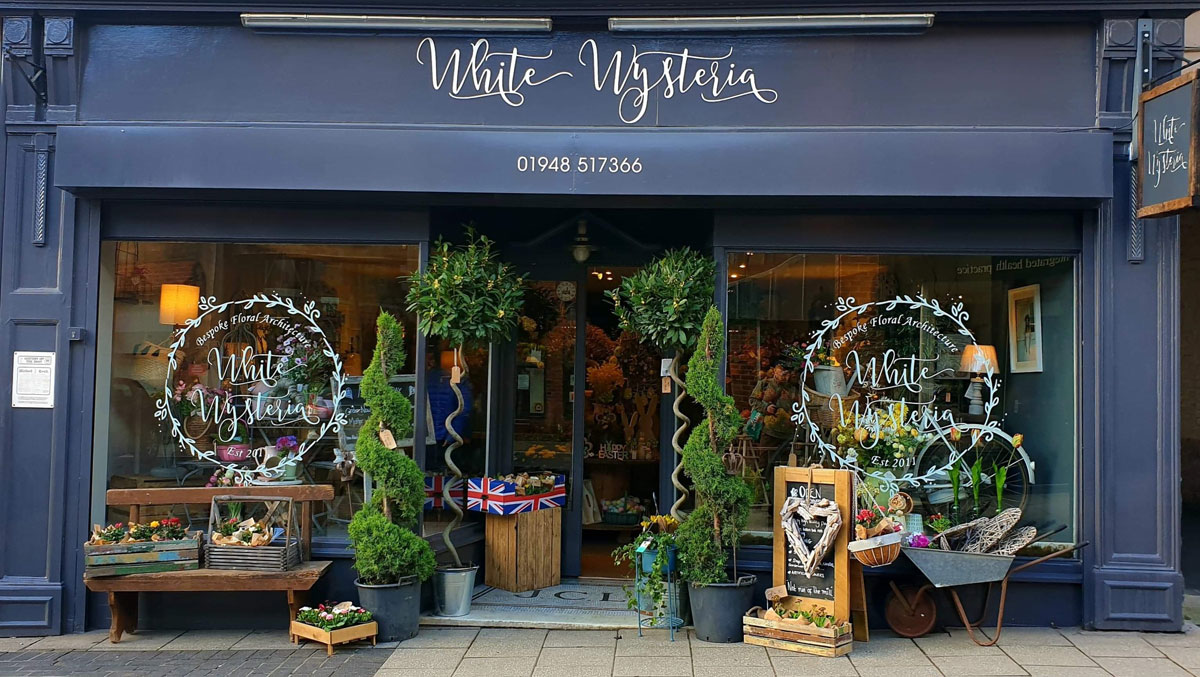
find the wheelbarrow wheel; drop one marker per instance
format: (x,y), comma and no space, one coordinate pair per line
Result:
(910,611)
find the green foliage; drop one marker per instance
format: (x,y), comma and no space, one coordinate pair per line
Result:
(652,585)
(385,547)
(385,552)
(722,500)
(664,302)
(465,295)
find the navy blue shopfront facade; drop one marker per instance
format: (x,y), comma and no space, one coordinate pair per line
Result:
(997,132)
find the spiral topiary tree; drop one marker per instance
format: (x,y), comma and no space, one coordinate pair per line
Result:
(466,296)
(722,500)
(382,532)
(664,304)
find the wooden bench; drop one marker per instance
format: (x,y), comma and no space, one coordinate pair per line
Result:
(123,590)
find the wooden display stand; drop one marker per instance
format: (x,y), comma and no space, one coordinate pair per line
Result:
(524,551)
(329,638)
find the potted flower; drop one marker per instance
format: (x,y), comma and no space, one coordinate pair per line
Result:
(655,546)
(333,624)
(877,538)
(714,528)
(664,304)
(467,297)
(390,558)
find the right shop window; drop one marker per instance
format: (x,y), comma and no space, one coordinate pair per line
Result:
(951,379)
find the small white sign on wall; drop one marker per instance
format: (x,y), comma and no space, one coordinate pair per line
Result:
(33,379)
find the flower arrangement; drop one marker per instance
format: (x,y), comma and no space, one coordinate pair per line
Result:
(871,522)
(287,444)
(919,541)
(605,379)
(816,617)
(939,522)
(305,363)
(168,529)
(658,539)
(330,616)
(881,439)
(794,356)
(249,532)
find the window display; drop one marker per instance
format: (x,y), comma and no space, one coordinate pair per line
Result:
(888,365)
(236,364)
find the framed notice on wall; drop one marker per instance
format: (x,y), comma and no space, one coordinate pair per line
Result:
(1167,181)
(823,582)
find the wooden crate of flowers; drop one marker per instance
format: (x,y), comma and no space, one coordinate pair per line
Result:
(333,624)
(811,632)
(159,545)
(254,544)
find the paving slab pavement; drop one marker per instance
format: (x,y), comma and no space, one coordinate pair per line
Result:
(513,652)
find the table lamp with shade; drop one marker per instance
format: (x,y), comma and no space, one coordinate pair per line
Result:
(178,303)
(977,359)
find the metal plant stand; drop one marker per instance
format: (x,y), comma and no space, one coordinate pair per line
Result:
(650,614)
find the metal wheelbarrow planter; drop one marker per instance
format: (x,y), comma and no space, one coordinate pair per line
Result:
(912,612)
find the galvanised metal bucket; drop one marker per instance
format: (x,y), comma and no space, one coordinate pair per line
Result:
(453,588)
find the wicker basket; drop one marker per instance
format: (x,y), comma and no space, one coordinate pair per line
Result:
(255,558)
(148,364)
(878,551)
(821,411)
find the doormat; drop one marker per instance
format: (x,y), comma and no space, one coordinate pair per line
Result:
(571,605)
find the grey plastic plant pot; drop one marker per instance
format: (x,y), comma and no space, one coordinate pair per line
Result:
(453,588)
(396,607)
(717,609)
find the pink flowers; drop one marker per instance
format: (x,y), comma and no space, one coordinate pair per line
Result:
(918,541)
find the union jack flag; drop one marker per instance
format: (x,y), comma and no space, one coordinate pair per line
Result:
(496,497)
(433,491)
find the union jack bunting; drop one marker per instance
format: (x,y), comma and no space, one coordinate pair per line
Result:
(433,491)
(495,497)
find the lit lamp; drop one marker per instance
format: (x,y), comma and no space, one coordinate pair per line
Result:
(178,303)
(977,360)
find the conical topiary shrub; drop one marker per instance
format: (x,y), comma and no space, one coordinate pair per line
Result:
(391,559)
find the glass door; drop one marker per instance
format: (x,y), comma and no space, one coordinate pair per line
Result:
(543,416)
(620,428)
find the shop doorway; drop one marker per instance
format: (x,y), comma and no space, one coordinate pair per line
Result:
(574,394)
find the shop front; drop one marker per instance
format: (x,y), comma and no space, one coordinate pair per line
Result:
(941,204)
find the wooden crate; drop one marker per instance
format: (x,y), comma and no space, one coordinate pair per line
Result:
(253,558)
(329,638)
(791,636)
(142,557)
(524,551)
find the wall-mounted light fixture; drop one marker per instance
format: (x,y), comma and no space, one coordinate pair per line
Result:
(808,23)
(370,22)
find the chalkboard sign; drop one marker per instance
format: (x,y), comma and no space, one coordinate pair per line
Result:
(829,586)
(1167,152)
(357,411)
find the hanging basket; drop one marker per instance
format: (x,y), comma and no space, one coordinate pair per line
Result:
(827,413)
(878,551)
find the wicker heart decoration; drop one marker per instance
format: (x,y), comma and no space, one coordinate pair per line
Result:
(795,512)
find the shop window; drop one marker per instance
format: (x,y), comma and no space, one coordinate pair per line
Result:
(236,400)
(908,368)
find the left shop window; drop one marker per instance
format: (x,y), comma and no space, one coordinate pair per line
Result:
(252,385)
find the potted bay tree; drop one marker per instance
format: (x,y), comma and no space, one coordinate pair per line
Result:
(714,528)
(391,559)
(664,304)
(467,297)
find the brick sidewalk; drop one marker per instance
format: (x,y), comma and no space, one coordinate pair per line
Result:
(493,652)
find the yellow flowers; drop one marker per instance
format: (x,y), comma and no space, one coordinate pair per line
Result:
(155,524)
(500,314)
(1018,440)
(661,524)
(860,434)
(955,434)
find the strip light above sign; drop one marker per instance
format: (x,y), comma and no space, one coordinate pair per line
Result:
(1167,181)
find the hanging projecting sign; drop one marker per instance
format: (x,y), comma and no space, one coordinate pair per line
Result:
(1167,152)
(33,380)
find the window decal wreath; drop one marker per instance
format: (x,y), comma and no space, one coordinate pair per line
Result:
(272,360)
